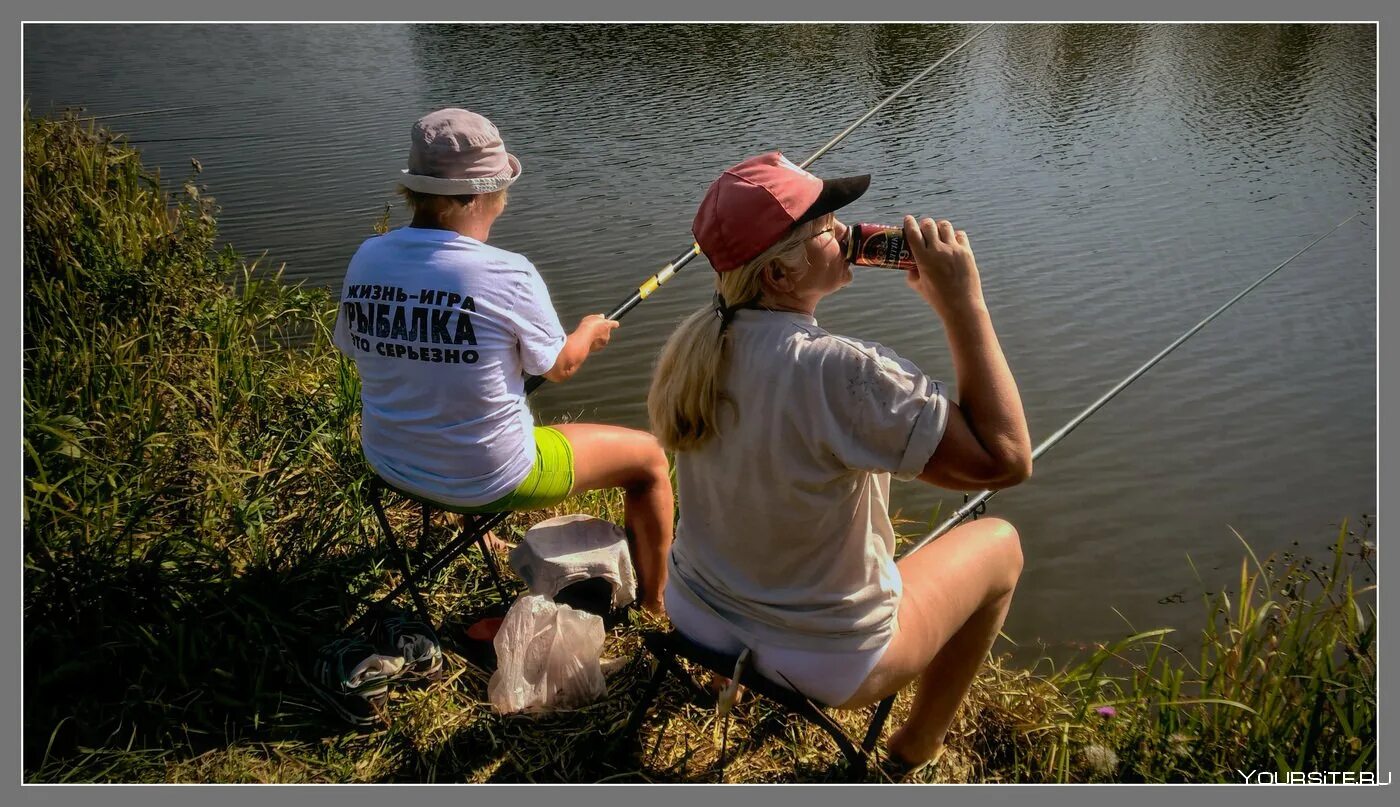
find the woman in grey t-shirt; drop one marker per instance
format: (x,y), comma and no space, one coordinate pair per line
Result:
(786,437)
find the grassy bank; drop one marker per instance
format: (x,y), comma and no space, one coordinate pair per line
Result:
(195,523)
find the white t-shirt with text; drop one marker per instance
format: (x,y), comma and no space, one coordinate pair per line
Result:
(443,329)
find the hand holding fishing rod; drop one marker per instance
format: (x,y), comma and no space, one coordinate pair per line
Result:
(668,271)
(592,335)
(534,382)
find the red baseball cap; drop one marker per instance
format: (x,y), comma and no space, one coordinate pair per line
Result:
(755,203)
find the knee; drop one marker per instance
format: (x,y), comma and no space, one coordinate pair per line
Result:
(655,469)
(1005,541)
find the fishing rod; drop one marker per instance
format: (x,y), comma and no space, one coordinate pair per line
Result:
(651,284)
(144,112)
(978,503)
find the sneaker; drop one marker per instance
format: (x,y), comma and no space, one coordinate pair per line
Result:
(416,644)
(353,679)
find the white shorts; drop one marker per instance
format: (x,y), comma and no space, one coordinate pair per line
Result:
(824,676)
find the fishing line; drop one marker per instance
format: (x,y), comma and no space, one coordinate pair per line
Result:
(144,112)
(978,502)
(651,284)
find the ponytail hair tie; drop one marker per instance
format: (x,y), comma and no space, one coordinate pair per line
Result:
(723,311)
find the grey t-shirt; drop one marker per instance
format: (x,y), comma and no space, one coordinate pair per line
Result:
(784,516)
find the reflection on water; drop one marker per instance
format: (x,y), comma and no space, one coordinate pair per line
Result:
(1118,181)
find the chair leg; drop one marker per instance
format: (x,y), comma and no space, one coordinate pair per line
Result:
(724,745)
(490,559)
(858,769)
(385,529)
(404,568)
(854,756)
(639,712)
(452,550)
(877,724)
(417,594)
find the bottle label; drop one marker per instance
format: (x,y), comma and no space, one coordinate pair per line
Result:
(878,245)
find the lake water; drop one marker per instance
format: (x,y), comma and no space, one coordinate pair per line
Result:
(1118,182)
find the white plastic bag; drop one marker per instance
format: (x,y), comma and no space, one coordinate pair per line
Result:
(547,657)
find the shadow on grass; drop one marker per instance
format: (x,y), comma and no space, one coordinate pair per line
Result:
(163,670)
(163,655)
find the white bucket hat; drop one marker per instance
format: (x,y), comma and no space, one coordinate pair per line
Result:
(455,152)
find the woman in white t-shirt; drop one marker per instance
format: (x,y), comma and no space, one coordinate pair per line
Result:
(786,437)
(444,328)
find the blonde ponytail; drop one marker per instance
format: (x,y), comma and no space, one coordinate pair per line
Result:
(685,394)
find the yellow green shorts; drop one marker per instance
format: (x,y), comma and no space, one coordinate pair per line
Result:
(548,483)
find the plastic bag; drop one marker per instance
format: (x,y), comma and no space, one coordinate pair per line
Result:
(547,658)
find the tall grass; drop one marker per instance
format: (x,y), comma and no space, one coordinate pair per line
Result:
(195,522)
(175,453)
(1282,679)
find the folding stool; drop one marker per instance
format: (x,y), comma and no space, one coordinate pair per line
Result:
(473,534)
(669,647)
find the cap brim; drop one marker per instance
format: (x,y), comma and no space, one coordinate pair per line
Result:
(836,194)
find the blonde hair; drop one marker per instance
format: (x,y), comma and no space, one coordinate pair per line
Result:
(684,400)
(437,203)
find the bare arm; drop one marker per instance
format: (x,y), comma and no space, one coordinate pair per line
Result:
(986,442)
(592,334)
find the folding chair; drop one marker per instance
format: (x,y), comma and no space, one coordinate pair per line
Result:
(668,647)
(473,534)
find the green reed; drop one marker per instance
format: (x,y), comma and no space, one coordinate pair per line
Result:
(1282,678)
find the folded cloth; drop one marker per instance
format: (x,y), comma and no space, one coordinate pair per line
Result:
(567,549)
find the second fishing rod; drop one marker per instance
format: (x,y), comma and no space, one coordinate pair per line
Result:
(651,284)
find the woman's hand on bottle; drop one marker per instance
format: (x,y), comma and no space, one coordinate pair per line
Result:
(946,271)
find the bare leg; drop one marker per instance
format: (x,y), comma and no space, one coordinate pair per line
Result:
(945,683)
(957,591)
(614,457)
(492,540)
(495,544)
